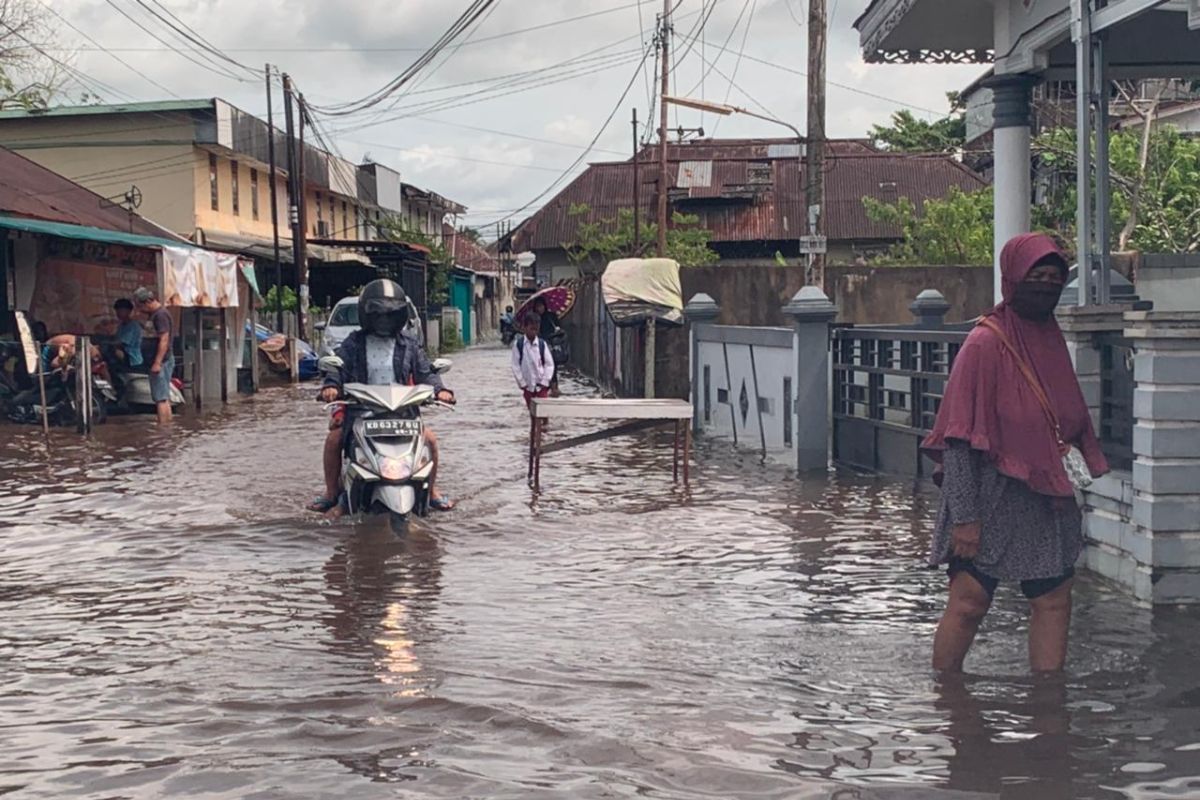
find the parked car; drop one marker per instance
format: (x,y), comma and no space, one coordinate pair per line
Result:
(343,320)
(308,356)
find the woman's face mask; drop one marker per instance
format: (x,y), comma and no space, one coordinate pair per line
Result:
(1037,296)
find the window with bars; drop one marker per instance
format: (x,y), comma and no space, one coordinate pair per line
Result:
(214,191)
(254,194)
(233,187)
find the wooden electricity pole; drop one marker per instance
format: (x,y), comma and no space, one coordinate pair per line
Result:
(815,166)
(664,35)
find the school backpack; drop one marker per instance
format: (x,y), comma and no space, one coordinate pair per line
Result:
(521,350)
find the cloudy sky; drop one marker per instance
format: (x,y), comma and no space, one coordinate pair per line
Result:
(495,121)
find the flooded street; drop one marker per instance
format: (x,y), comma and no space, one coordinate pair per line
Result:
(172,624)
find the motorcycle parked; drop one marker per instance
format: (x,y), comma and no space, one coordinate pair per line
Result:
(387,464)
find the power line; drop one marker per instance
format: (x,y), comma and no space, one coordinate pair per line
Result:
(474,98)
(738,64)
(217,70)
(190,34)
(111,54)
(585,153)
(460,25)
(575,64)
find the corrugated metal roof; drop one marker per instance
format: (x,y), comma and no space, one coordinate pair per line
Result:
(736,209)
(694,173)
(157,107)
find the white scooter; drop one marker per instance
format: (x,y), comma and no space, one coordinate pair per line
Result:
(135,392)
(387,464)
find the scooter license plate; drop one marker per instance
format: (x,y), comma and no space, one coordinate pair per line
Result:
(391,427)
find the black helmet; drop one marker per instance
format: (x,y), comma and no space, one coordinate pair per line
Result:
(383,308)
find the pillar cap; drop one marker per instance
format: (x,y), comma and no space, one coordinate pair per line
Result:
(701,308)
(811,305)
(930,301)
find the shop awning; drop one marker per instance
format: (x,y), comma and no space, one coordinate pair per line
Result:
(86,233)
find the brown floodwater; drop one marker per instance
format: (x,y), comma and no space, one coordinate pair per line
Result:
(171,624)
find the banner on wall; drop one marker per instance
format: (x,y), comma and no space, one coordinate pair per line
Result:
(77,297)
(199,278)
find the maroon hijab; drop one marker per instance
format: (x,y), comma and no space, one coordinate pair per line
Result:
(989,403)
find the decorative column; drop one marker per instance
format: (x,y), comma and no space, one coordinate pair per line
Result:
(929,309)
(811,313)
(700,310)
(1011,184)
(1166,446)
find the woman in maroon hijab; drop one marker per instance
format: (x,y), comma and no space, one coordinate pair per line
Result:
(1009,511)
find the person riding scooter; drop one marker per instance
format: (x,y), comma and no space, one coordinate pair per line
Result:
(508,330)
(381,352)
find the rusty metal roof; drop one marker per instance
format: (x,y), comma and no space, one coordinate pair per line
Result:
(749,195)
(28,189)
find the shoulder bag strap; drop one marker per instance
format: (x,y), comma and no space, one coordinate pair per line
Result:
(1030,377)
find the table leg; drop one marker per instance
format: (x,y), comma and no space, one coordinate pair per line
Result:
(675,455)
(532,441)
(537,456)
(687,452)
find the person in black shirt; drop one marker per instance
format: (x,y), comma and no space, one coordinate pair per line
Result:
(548,333)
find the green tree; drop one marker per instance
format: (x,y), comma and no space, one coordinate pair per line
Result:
(611,238)
(395,229)
(908,134)
(1155,200)
(954,230)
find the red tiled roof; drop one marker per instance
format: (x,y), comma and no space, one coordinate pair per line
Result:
(736,208)
(467,253)
(28,189)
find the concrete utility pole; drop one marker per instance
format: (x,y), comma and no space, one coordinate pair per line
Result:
(302,264)
(295,187)
(664,35)
(274,204)
(637,186)
(815,189)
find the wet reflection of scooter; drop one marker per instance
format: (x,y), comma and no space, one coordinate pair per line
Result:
(380,588)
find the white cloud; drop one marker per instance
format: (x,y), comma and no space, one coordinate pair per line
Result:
(383,38)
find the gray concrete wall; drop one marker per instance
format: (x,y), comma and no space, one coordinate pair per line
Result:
(1171,281)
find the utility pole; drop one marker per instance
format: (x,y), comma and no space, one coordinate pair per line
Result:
(815,189)
(637,186)
(274,205)
(302,264)
(664,35)
(295,191)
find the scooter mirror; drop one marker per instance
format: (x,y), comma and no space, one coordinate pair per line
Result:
(330,364)
(442,365)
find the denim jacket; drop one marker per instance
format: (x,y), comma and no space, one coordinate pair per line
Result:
(409,360)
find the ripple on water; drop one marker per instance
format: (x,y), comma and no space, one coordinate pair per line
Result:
(173,625)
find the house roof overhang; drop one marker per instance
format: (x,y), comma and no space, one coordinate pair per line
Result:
(1147,38)
(927,32)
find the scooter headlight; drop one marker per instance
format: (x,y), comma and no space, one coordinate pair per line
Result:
(394,469)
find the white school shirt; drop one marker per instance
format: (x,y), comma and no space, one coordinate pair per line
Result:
(532,371)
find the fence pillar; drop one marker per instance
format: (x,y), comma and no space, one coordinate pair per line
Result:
(1166,446)
(929,309)
(811,313)
(1080,326)
(701,310)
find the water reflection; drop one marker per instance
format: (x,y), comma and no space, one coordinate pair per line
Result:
(172,625)
(382,590)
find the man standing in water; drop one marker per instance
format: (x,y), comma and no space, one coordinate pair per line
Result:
(163,365)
